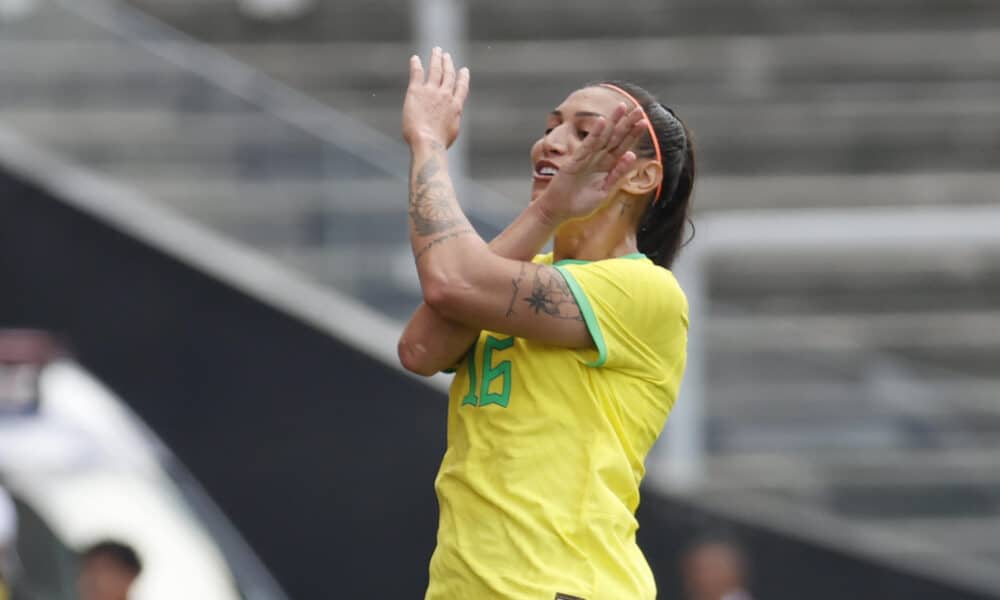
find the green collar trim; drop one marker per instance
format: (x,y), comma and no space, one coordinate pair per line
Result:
(575,261)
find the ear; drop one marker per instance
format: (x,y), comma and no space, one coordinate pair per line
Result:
(643,178)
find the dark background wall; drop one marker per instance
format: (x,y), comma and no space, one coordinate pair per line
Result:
(322,457)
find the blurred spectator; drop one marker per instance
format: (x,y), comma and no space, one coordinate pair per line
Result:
(715,569)
(107,571)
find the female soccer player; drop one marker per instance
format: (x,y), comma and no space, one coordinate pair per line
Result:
(567,364)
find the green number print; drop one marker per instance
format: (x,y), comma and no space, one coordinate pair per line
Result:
(490,373)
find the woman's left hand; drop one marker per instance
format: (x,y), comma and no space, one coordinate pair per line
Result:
(432,110)
(581,186)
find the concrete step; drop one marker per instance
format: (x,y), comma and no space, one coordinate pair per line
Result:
(870,416)
(838,280)
(271,200)
(785,402)
(728,192)
(316,211)
(958,534)
(941,329)
(183,92)
(150,126)
(361,266)
(806,474)
(215,20)
(48,21)
(862,369)
(863,137)
(384,19)
(746,62)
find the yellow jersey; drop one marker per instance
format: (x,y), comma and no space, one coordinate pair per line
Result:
(546,446)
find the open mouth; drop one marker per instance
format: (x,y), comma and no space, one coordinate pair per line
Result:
(545,170)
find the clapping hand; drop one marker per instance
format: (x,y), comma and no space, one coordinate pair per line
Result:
(432,110)
(581,186)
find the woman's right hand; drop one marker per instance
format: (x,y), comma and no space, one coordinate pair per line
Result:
(581,185)
(432,108)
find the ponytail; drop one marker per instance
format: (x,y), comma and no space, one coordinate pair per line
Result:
(661,229)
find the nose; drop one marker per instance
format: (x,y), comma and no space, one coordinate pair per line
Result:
(553,144)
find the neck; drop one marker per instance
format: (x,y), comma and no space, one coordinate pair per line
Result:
(608,233)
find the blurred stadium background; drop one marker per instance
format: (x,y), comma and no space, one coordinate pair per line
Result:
(203,200)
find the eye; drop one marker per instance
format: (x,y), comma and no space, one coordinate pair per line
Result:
(549,130)
(582,133)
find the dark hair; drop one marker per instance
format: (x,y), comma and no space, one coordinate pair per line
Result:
(661,228)
(121,553)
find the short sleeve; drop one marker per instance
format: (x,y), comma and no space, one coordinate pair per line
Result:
(634,310)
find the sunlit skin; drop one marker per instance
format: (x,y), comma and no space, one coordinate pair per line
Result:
(611,229)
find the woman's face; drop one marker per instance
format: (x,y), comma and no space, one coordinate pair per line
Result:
(565,129)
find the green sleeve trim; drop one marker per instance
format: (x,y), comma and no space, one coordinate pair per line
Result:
(588,316)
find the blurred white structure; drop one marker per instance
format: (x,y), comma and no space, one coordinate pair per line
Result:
(11,10)
(444,23)
(91,471)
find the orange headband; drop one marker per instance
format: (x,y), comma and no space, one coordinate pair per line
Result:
(652,133)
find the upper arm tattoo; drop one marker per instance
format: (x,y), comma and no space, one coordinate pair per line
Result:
(546,293)
(430,206)
(516,283)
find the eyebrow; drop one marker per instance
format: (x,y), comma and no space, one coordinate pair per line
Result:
(582,113)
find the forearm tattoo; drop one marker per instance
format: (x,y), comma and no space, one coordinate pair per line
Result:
(440,240)
(548,294)
(430,209)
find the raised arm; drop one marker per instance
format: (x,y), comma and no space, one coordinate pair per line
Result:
(467,285)
(430,343)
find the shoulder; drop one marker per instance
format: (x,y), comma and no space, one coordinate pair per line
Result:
(634,278)
(631,306)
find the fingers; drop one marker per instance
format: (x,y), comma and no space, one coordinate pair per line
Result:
(416,71)
(632,137)
(612,125)
(621,168)
(441,72)
(593,142)
(625,126)
(462,86)
(435,70)
(596,146)
(448,78)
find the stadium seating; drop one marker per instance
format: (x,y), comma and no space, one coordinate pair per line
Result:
(843,381)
